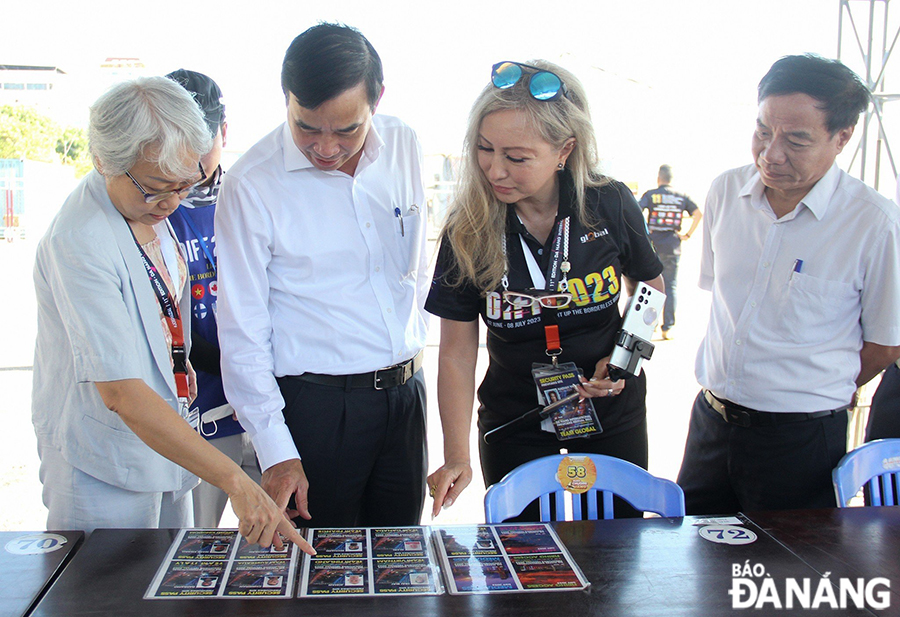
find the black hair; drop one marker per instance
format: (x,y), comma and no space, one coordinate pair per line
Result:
(840,92)
(326,61)
(665,173)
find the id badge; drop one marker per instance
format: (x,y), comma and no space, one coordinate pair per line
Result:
(576,419)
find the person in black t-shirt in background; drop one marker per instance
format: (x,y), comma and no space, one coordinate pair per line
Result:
(665,211)
(532,214)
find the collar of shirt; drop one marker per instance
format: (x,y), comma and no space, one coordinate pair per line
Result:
(295,160)
(816,201)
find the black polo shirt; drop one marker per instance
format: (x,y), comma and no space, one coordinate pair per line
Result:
(615,245)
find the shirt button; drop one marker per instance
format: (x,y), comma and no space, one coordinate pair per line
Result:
(753,304)
(540,251)
(389,311)
(368,225)
(377,269)
(765,264)
(737,342)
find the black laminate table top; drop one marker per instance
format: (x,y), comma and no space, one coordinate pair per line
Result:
(844,542)
(636,567)
(25,577)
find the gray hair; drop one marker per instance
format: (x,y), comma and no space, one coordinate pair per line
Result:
(152,118)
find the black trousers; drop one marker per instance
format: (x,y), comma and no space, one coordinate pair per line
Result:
(729,468)
(884,416)
(499,458)
(363,451)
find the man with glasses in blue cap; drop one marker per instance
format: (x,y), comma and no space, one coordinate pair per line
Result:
(193,224)
(323,275)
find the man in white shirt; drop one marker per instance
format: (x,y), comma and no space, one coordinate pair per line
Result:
(802,261)
(322,282)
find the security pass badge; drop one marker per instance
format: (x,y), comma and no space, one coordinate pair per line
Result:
(577,474)
(574,419)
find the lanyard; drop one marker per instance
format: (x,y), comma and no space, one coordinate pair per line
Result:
(199,236)
(559,267)
(173,320)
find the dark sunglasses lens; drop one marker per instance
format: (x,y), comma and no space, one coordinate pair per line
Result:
(505,75)
(544,86)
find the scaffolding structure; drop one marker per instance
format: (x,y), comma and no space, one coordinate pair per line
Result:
(875,44)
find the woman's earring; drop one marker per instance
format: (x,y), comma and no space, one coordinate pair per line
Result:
(560,166)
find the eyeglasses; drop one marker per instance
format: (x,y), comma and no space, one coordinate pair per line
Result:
(152,198)
(543,85)
(522,300)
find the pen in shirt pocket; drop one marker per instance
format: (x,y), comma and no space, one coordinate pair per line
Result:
(398,214)
(798,267)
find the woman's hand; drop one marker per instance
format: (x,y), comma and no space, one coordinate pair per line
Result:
(192,382)
(600,385)
(445,484)
(260,518)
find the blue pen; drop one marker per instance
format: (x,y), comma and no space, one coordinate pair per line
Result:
(399,215)
(798,265)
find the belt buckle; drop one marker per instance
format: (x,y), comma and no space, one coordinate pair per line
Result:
(738,416)
(404,373)
(377,384)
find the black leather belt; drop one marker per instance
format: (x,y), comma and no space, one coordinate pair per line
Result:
(744,416)
(383,378)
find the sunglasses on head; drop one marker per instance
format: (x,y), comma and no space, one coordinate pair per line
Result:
(542,84)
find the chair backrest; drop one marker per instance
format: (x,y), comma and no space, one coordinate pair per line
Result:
(876,465)
(538,479)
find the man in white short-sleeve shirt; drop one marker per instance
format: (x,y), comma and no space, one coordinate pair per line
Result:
(322,282)
(802,261)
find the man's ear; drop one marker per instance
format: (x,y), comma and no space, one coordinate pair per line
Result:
(378,100)
(843,137)
(224,129)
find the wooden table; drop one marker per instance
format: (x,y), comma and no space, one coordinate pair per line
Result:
(25,577)
(637,567)
(845,542)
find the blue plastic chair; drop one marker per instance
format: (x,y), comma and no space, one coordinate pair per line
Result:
(875,465)
(537,479)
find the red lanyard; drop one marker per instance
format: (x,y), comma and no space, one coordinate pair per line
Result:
(173,320)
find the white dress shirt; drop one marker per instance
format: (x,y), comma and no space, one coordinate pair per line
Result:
(794,298)
(317,271)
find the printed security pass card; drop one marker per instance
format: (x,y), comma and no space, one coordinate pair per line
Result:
(506,558)
(370,562)
(218,563)
(391,561)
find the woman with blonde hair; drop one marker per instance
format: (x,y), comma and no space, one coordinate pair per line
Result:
(537,242)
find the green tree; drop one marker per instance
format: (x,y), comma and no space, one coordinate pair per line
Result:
(72,147)
(27,134)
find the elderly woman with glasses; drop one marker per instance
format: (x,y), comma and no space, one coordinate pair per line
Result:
(112,385)
(538,243)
